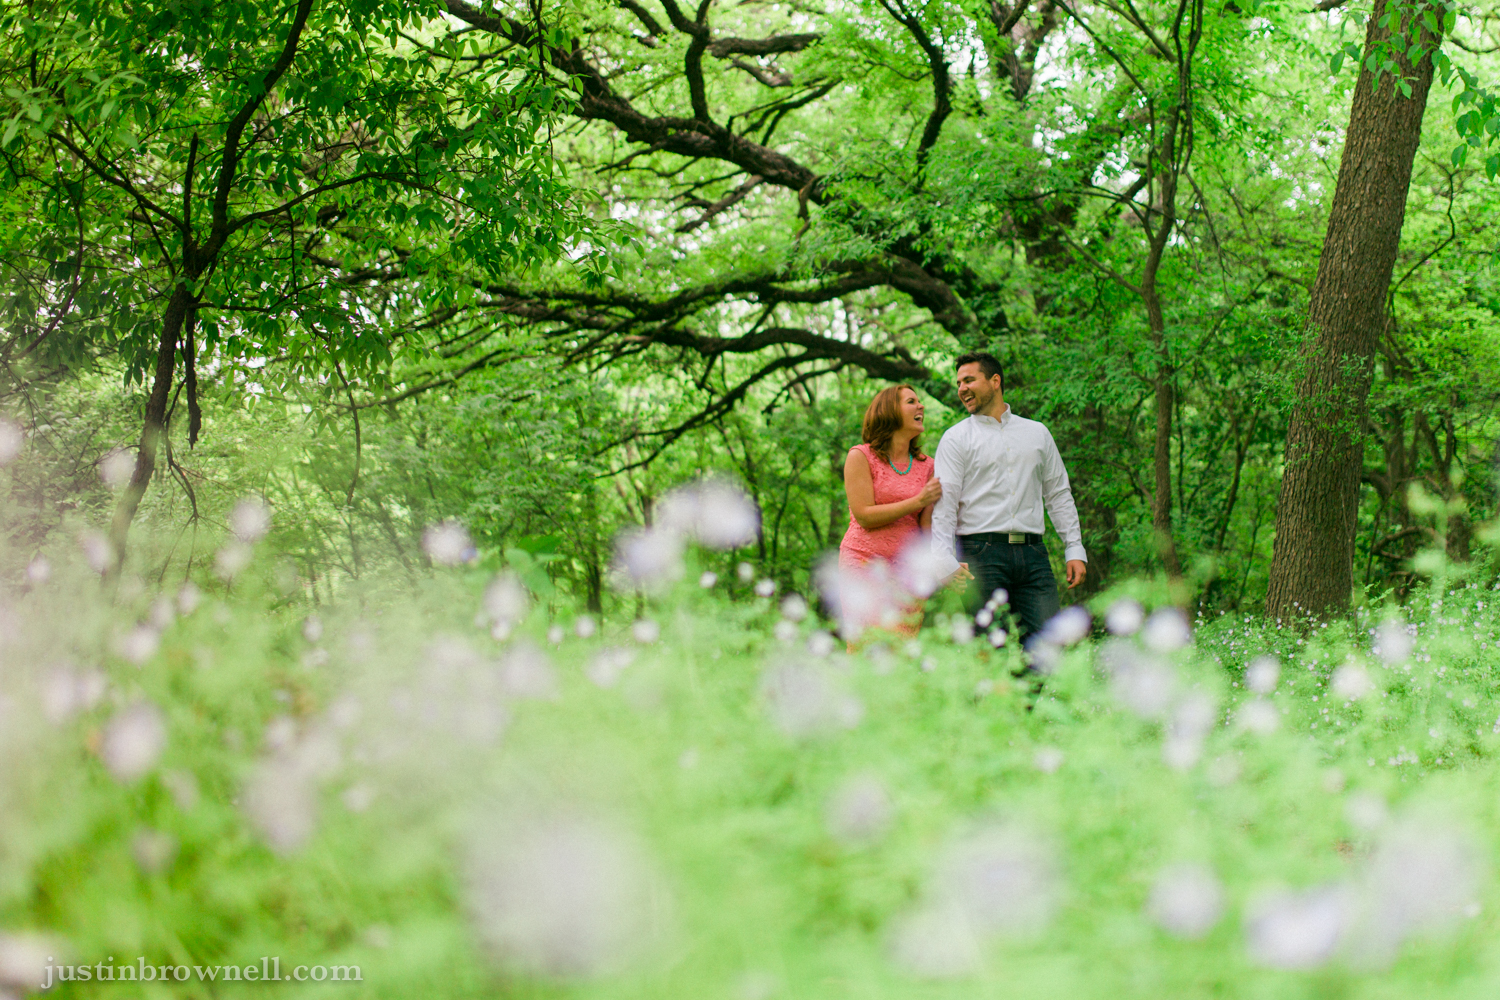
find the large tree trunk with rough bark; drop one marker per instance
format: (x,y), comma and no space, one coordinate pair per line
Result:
(1312,565)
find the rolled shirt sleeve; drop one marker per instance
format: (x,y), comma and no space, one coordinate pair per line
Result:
(948,466)
(1058,496)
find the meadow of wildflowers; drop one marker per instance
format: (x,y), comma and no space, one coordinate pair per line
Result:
(462,790)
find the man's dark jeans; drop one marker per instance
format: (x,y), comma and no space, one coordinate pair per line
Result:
(1023,570)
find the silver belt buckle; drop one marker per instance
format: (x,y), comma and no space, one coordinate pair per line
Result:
(1016,537)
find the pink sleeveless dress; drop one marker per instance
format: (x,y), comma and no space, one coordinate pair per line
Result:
(861,546)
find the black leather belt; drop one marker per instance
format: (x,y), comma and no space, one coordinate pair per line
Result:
(1005,537)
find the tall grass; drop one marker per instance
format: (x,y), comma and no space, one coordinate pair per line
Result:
(719,801)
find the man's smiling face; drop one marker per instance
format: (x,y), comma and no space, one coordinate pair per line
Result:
(974,390)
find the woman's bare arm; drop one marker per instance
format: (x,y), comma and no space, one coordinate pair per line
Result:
(859,487)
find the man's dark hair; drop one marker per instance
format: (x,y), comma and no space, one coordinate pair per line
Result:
(988,366)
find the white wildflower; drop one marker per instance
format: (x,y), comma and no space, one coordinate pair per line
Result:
(1166,631)
(1262,674)
(1187,900)
(561,896)
(1069,626)
(860,810)
(1124,617)
(447,543)
(133,741)
(116,468)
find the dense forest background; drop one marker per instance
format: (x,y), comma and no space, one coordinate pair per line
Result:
(531,267)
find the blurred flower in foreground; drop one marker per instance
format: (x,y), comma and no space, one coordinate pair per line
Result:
(250,520)
(12,438)
(708,579)
(862,597)
(1189,726)
(139,644)
(805,700)
(1423,878)
(1262,674)
(605,668)
(648,558)
(1351,681)
(525,672)
(1292,930)
(1047,760)
(39,570)
(233,557)
(562,897)
(133,740)
(918,567)
(1166,631)
(24,958)
(1124,617)
(1366,811)
(1186,900)
(1392,643)
(153,850)
(1142,683)
(712,513)
(97,550)
(645,631)
(505,604)
(1069,626)
(999,881)
(447,543)
(860,810)
(1258,716)
(188,598)
(281,798)
(116,468)
(66,692)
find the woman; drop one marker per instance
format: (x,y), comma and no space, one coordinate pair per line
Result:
(891,490)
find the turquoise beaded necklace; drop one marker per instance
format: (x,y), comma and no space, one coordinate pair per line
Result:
(910,458)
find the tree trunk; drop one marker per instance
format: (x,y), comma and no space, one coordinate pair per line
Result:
(1312,562)
(154,426)
(1162,379)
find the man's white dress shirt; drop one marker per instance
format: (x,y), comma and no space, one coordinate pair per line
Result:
(996,474)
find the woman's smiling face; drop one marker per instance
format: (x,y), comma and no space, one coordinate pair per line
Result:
(911,411)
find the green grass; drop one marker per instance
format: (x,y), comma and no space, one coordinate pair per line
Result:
(737,887)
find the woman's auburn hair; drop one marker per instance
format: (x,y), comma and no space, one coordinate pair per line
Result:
(883,419)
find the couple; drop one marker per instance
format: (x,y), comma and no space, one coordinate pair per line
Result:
(986,486)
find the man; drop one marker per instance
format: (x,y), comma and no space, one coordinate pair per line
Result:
(997,470)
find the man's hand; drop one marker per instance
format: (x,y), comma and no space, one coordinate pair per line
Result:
(960,578)
(1077,570)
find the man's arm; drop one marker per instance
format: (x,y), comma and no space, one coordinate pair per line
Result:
(948,466)
(1058,496)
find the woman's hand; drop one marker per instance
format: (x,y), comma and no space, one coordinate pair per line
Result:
(931,493)
(960,578)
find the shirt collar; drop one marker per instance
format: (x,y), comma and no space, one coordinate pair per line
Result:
(1005,416)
